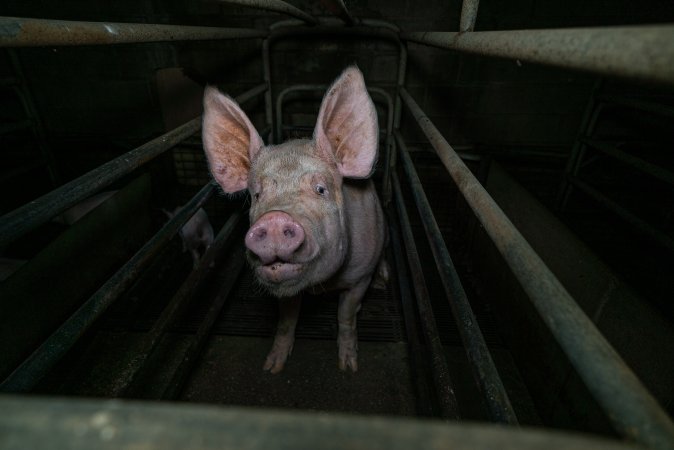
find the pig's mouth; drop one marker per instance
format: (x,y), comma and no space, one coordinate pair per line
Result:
(279,271)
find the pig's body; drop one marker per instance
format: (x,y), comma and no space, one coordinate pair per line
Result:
(316,221)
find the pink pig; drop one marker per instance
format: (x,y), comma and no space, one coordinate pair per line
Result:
(316,220)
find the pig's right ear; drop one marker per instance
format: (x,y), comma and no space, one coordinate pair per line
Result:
(230,140)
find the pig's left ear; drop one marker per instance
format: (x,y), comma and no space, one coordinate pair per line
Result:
(230,140)
(347,125)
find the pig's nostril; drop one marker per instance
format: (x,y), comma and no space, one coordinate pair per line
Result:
(289,233)
(261,234)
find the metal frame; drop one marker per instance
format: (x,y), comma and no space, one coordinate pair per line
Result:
(642,52)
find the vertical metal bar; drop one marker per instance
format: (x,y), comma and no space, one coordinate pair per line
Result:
(416,351)
(630,407)
(55,347)
(268,107)
(176,306)
(587,124)
(484,371)
(235,264)
(443,383)
(28,102)
(468,15)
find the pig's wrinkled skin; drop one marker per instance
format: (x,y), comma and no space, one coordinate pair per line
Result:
(316,220)
(197,233)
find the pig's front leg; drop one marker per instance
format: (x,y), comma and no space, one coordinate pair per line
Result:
(289,311)
(347,339)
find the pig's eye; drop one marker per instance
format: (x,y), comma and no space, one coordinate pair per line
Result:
(257,195)
(321,190)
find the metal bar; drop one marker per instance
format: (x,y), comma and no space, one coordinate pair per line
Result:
(277,6)
(176,306)
(236,262)
(416,351)
(644,227)
(443,383)
(26,32)
(468,15)
(268,106)
(338,8)
(32,422)
(28,217)
(630,407)
(25,94)
(641,52)
(57,345)
(642,105)
(638,163)
(484,371)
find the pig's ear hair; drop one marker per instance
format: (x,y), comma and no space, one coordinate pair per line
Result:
(347,125)
(230,140)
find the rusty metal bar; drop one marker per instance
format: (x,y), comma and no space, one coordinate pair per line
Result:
(57,345)
(41,423)
(236,262)
(641,52)
(28,217)
(468,15)
(444,386)
(630,407)
(277,6)
(484,371)
(653,170)
(644,227)
(26,32)
(176,306)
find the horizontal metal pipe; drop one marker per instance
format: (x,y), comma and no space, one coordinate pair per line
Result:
(275,6)
(484,371)
(55,347)
(630,407)
(645,228)
(176,306)
(32,422)
(236,262)
(468,15)
(26,32)
(28,217)
(653,170)
(444,386)
(642,52)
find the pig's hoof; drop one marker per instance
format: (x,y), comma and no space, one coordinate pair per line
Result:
(276,359)
(348,356)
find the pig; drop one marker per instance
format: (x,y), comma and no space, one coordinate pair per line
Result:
(196,234)
(317,223)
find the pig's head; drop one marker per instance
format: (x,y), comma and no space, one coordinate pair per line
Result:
(299,236)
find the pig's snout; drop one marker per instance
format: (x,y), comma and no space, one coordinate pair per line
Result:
(275,235)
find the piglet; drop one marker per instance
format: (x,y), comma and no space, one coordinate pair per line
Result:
(196,234)
(317,223)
